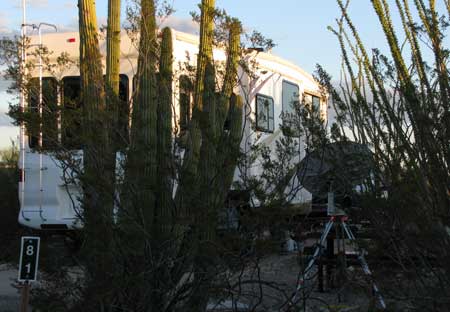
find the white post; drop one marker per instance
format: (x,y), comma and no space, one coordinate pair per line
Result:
(40,121)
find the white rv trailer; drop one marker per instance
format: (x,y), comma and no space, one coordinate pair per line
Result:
(48,201)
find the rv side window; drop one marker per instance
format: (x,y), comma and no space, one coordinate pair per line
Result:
(71,115)
(185,101)
(314,101)
(264,113)
(123,113)
(290,99)
(49,113)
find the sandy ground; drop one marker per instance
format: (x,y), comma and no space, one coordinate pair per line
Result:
(281,271)
(9,296)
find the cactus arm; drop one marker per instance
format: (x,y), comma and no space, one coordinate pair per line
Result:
(113,47)
(235,30)
(232,142)
(205,53)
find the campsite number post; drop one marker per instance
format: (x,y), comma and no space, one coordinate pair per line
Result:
(28,265)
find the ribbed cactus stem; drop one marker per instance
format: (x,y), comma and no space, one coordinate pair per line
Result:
(113,47)
(231,72)
(234,45)
(164,128)
(233,141)
(90,60)
(96,203)
(205,52)
(142,156)
(206,115)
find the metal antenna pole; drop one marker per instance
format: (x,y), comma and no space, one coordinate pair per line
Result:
(364,265)
(317,253)
(22,102)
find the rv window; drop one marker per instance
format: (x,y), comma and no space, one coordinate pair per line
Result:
(123,113)
(185,101)
(314,102)
(290,99)
(264,113)
(71,115)
(49,113)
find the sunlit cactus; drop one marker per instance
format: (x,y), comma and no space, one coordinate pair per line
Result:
(113,47)
(96,202)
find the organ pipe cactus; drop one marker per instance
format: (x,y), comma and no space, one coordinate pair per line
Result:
(212,150)
(147,206)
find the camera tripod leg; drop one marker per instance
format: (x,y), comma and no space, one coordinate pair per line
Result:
(317,253)
(365,266)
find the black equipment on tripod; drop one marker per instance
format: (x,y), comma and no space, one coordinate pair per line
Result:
(336,168)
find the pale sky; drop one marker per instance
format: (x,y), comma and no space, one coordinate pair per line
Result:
(298,27)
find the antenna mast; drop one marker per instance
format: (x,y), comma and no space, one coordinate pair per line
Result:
(23,32)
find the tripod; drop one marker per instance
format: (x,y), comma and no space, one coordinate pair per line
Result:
(337,220)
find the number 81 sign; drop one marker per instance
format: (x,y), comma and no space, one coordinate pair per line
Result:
(29,258)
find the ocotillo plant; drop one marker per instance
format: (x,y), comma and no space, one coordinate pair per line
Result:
(398,105)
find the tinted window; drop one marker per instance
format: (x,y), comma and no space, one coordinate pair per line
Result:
(314,103)
(71,115)
(264,113)
(185,101)
(290,99)
(123,112)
